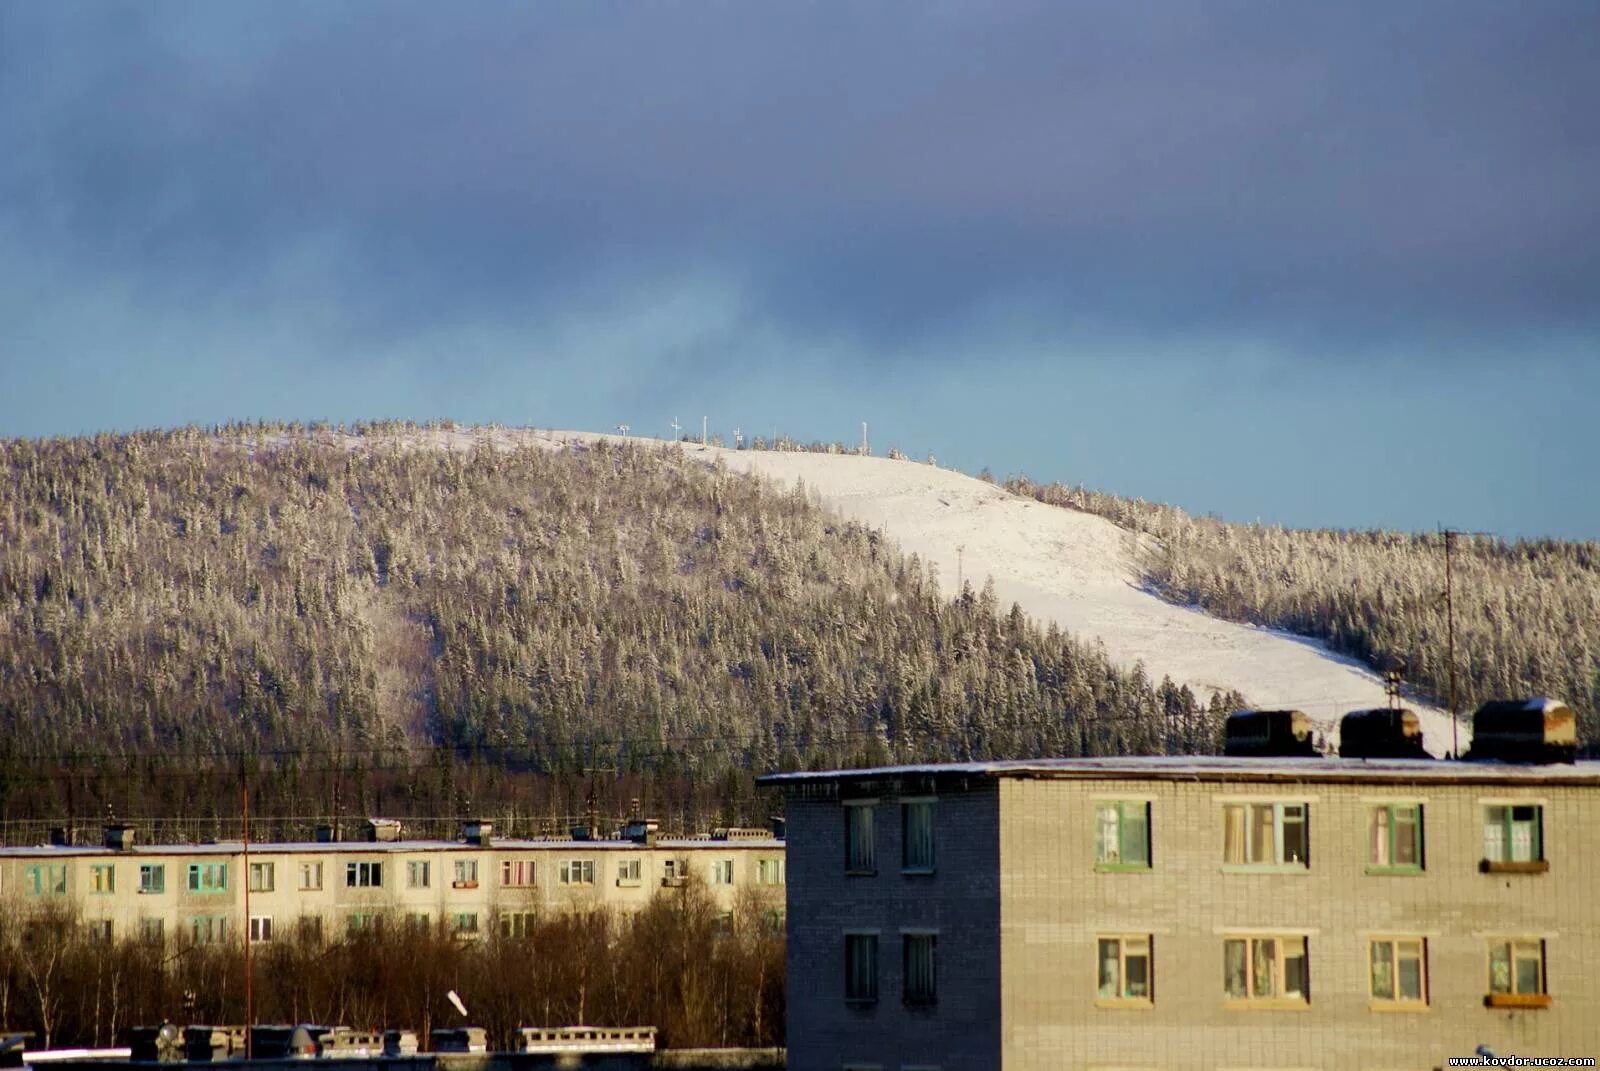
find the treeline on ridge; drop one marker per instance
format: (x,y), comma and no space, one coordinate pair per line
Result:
(173,601)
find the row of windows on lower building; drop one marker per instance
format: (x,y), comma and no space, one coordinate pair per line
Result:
(1267,833)
(1258,970)
(50,879)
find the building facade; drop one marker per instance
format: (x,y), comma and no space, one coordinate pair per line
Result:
(197,891)
(1228,913)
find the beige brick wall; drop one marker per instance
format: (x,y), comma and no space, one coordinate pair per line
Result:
(1054,904)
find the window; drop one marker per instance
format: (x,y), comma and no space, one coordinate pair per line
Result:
(628,871)
(674,872)
(1266,970)
(1399,970)
(770,923)
(45,879)
(861,967)
(1122,835)
(1513,838)
(416,873)
(260,928)
(310,876)
(577,872)
(103,879)
(99,932)
(466,871)
(722,871)
(363,922)
(208,929)
(310,927)
(920,975)
(518,873)
(464,923)
(769,872)
(1125,969)
(858,855)
(261,876)
(1265,834)
(1394,839)
(153,930)
(152,878)
(516,924)
(916,836)
(418,921)
(363,875)
(208,877)
(1516,973)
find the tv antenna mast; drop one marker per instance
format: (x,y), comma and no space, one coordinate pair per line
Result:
(676,427)
(703,431)
(624,429)
(738,437)
(866,447)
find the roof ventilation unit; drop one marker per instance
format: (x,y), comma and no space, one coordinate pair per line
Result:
(1270,734)
(1537,730)
(1381,734)
(383,830)
(477,832)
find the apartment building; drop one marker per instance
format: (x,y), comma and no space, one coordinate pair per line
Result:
(197,891)
(1222,912)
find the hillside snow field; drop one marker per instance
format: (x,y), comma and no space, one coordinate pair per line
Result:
(1060,565)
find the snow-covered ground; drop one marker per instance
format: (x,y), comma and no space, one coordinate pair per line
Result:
(1059,565)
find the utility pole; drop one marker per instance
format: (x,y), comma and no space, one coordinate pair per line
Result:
(1450,631)
(866,448)
(702,431)
(961,549)
(676,428)
(249,1007)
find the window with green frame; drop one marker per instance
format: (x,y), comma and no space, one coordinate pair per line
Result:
(1122,835)
(1513,837)
(208,877)
(45,879)
(1394,839)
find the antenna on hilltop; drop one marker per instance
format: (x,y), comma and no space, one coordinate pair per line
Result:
(866,447)
(624,429)
(702,431)
(738,437)
(676,427)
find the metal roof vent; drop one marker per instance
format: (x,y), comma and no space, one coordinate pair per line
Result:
(1270,734)
(383,830)
(477,831)
(119,837)
(1538,730)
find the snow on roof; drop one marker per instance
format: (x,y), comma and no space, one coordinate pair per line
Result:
(361,847)
(1218,768)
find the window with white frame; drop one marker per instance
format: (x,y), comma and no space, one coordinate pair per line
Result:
(858,838)
(769,872)
(1122,835)
(1516,972)
(630,872)
(363,875)
(516,873)
(1513,836)
(916,837)
(1266,969)
(103,879)
(919,971)
(1125,968)
(577,872)
(722,871)
(1266,834)
(1394,838)
(1399,968)
(261,877)
(310,876)
(152,878)
(418,875)
(861,967)
(466,874)
(260,928)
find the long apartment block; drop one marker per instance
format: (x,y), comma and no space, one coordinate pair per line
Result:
(1222,912)
(328,889)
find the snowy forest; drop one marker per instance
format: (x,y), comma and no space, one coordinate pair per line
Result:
(1527,614)
(360,621)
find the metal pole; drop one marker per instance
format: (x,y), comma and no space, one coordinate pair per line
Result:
(249,1007)
(1450,629)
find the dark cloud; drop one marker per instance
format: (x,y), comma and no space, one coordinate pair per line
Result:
(1362,170)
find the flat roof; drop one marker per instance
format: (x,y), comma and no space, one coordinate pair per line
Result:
(362,847)
(1221,768)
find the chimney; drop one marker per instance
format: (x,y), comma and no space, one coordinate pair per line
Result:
(59,837)
(478,832)
(119,837)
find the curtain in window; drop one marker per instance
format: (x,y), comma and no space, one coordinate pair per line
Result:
(1233,826)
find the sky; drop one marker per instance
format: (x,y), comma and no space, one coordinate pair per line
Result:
(1331,265)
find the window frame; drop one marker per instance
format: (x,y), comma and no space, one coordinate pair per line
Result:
(1513,996)
(416,868)
(1539,863)
(310,870)
(630,872)
(265,870)
(363,874)
(207,879)
(152,879)
(1121,808)
(260,929)
(722,872)
(45,879)
(910,805)
(860,838)
(770,871)
(465,873)
(464,925)
(583,867)
(1391,810)
(1122,998)
(1278,999)
(1279,864)
(102,879)
(511,869)
(1397,1002)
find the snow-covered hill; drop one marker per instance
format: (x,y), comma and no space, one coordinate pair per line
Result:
(1059,565)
